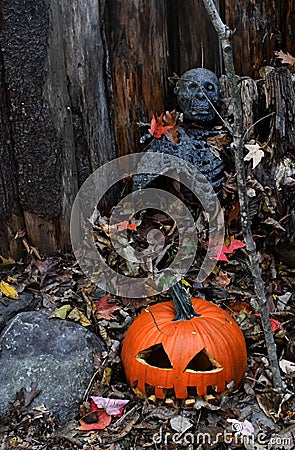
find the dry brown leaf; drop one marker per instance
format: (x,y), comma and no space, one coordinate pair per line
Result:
(219,141)
(6,261)
(222,279)
(104,309)
(170,119)
(233,213)
(285,58)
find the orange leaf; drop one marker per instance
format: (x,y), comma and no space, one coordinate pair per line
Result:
(104,309)
(170,119)
(157,129)
(124,225)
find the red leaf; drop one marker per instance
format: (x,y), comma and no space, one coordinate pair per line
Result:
(157,129)
(234,245)
(228,249)
(103,420)
(274,323)
(104,309)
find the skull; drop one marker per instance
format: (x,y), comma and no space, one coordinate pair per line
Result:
(196,91)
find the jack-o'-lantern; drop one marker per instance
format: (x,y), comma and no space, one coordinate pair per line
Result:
(189,357)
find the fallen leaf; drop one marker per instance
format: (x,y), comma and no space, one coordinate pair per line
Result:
(287,367)
(125,225)
(275,324)
(106,378)
(218,142)
(104,309)
(233,213)
(282,301)
(28,396)
(8,290)
(245,428)
(170,119)
(112,406)
(78,316)
(237,306)
(60,313)
(101,411)
(180,424)
(234,244)
(286,58)
(274,223)
(222,279)
(255,153)
(185,283)
(6,261)
(98,420)
(265,70)
(157,129)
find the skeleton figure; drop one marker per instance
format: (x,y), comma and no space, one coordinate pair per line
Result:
(196,91)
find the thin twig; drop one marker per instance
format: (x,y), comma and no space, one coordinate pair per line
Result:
(85,396)
(226,124)
(255,123)
(202,55)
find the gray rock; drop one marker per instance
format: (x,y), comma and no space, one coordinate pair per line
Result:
(9,307)
(57,354)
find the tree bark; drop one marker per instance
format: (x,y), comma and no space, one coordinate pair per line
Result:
(193,41)
(55,84)
(260,27)
(139,54)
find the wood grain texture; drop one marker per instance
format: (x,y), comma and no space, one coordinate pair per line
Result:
(139,55)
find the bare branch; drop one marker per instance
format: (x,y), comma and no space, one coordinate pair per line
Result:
(224,34)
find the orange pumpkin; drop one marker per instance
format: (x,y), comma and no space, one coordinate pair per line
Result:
(203,353)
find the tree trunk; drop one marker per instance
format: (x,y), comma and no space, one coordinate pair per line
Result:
(56,121)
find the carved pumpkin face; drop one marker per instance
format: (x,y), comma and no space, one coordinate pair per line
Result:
(202,353)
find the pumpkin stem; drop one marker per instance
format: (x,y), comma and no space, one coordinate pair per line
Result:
(182,303)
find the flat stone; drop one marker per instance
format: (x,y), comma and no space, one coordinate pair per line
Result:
(57,354)
(9,307)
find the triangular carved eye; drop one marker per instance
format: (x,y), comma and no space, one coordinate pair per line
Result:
(203,362)
(155,356)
